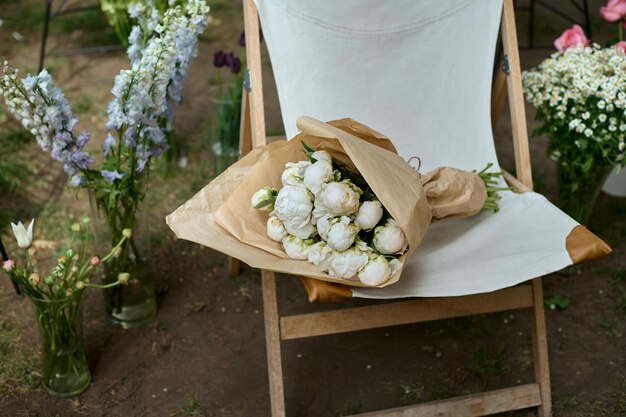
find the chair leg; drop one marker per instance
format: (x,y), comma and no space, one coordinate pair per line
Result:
(234,266)
(272,341)
(540,349)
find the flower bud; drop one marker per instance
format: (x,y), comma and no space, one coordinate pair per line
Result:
(95,261)
(297,248)
(303,232)
(123,277)
(62,260)
(322,156)
(319,255)
(294,205)
(34,279)
(341,233)
(389,239)
(276,229)
(369,214)
(32,252)
(347,263)
(118,252)
(323,225)
(376,271)
(264,198)
(75,227)
(317,174)
(23,235)
(48,280)
(80,285)
(127,233)
(69,292)
(340,198)
(8,265)
(86,220)
(294,173)
(74,269)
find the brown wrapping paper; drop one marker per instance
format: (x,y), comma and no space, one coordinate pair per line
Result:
(220,215)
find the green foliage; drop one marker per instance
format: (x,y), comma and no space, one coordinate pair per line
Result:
(18,359)
(12,168)
(557,301)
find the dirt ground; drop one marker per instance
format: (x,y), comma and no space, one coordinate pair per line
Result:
(204,354)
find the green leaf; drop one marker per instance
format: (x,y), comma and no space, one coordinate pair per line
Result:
(265,203)
(557,301)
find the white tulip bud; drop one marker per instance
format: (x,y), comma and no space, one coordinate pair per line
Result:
(302,232)
(376,271)
(297,248)
(389,239)
(264,198)
(323,225)
(317,174)
(369,214)
(294,173)
(346,264)
(341,234)
(294,205)
(276,229)
(340,198)
(319,254)
(23,236)
(322,156)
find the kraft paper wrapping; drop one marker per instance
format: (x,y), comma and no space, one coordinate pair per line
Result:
(220,216)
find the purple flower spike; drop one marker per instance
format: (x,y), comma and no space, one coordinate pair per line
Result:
(111,176)
(242,39)
(219,59)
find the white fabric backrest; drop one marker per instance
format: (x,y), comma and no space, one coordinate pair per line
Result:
(418,71)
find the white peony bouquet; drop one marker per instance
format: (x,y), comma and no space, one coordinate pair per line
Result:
(329,216)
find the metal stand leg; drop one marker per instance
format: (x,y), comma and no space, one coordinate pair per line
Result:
(5,257)
(44,37)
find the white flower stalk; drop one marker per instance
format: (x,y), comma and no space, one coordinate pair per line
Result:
(297,248)
(389,239)
(340,198)
(378,270)
(341,233)
(294,174)
(293,205)
(23,236)
(319,255)
(317,174)
(346,264)
(369,214)
(264,198)
(322,156)
(276,229)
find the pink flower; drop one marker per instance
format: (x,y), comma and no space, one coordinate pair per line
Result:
(571,37)
(95,261)
(8,265)
(614,10)
(620,46)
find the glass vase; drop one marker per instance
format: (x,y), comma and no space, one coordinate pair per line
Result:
(132,305)
(65,370)
(226,100)
(579,189)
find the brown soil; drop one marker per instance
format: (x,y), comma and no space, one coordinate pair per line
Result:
(204,355)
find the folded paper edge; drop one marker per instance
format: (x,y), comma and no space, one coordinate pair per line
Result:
(323,292)
(583,246)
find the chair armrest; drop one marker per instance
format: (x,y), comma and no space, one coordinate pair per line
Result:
(516,184)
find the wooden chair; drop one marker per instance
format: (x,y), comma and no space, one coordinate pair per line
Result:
(526,296)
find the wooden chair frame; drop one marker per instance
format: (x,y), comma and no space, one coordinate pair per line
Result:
(530,296)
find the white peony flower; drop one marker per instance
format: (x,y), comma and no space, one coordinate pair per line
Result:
(340,198)
(369,214)
(317,174)
(341,233)
(264,198)
(347,263)
(322,156)
(323,225)
(302,232)
(294,173)
(297,248)
(293,205)
(24,237)
(319,255)
(376,272)
(276,229)
(389,239)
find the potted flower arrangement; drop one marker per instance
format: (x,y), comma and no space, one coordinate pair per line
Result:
(161,50)
(56,297)
(580,96)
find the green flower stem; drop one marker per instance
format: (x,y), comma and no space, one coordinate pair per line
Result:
(490,179)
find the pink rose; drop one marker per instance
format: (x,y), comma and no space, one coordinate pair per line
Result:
(614,10)
(571,37)
(8,265)
(620,46)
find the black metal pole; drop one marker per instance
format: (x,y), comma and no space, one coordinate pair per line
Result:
(5,257)
(44,37)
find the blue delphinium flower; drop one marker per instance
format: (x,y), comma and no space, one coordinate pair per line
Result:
(111,176)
